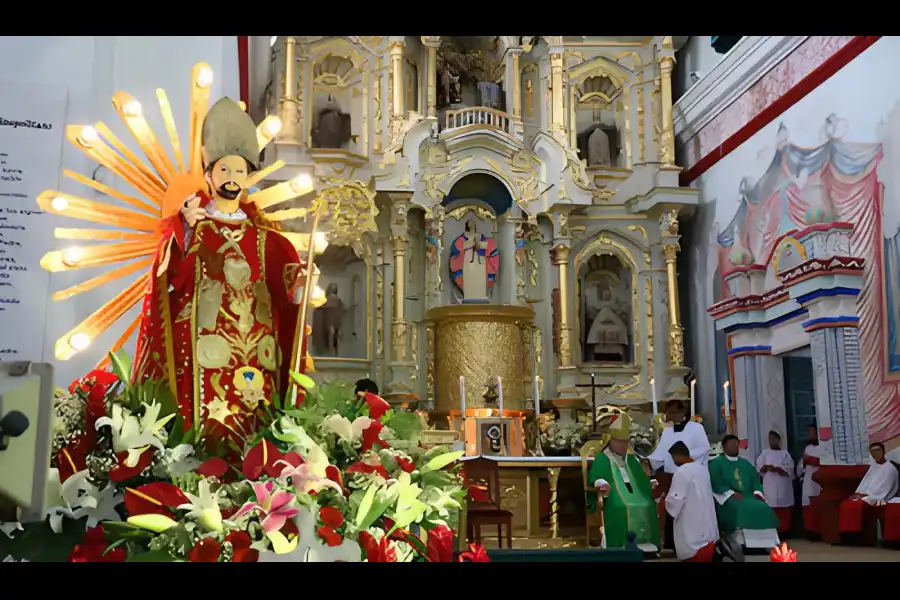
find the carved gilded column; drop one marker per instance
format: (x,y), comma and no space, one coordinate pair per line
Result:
(515,74)
(666,63)
(290,104)
(561,252)
(668,225)
(398,110)
(431,44)
(402,369)
(557,107)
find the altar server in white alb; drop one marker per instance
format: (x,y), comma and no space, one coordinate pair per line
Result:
(810,489)
(692,507)
(776,467)
(679,428)
(877,488)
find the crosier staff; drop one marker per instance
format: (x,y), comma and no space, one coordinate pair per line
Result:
(307,290)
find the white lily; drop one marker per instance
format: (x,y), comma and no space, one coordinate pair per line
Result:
(80,498)
(314,456)
(204,508)
(347,431)
(135,435)
(9,528)
(306,547)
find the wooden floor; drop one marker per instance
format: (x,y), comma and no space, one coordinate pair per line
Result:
(806,551)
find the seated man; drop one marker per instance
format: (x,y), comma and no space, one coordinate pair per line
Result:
(619,478)
(744,517)
(691,504)
(877,487)
(777,470)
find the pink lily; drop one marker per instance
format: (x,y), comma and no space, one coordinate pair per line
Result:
(276,508)
(304,479)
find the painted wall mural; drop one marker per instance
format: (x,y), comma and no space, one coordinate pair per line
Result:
(838,180)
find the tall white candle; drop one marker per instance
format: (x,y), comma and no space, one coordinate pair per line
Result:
(462,395)
(727,389)
(500,394)
(536,396)
(693,397)
(653,391)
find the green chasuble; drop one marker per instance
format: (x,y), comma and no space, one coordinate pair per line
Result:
(741,477)
(625,510)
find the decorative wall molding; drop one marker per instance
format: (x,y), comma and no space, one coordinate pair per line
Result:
(745,64)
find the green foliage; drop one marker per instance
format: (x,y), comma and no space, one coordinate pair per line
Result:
(406,425)
(38,543)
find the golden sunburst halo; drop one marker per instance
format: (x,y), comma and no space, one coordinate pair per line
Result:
(162,183)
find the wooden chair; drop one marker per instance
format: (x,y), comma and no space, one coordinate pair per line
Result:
(590,449)
(484,474)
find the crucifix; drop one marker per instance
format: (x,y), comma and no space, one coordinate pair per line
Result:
(593,386)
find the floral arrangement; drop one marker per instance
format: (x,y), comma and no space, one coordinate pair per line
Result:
(340,478)
(642,438)
(563,437)
(783,553)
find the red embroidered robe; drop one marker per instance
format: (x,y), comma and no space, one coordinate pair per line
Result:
(219,323)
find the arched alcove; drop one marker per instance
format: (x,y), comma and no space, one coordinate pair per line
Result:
(484,187)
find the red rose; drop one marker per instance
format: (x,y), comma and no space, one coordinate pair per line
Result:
(240,541)
(330,536)
(206,550)
(331,517)
(93,548)
(406,465)
(440,544)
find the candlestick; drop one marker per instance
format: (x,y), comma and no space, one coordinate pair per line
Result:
(593,404)
(500,394)
(462,395)
(727,388)
(693,397)
(536,396)
(653,391)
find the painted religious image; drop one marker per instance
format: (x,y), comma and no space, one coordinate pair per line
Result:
(836,181)
(606,310)
(474,261)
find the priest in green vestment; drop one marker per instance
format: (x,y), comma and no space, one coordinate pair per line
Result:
(618,477)
(740,504)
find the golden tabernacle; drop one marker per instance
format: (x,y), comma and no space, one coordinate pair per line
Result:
(480,342)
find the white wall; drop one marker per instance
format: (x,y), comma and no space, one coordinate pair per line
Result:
(867,105)
(696,56)
(93,68)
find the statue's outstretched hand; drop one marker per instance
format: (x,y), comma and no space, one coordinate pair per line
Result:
(191,210)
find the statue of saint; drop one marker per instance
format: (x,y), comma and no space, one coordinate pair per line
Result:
(598,148)
(329,319)
(220,324)
(608,333)
(474,259)
(332,128)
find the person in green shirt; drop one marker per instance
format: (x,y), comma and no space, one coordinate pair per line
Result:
(741,508)
(618,477)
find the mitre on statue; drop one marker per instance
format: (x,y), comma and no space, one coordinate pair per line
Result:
(229,131)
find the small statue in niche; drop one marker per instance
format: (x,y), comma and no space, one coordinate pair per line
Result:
(529,99)
(598,148)
(608,334)
(474,260)
(328,321)
(332,129)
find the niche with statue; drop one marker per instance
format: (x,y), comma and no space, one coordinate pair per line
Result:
(334,78)
(339,325)
(598,122)
(605,310)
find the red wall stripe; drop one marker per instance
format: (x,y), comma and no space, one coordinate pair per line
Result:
(817,77)
(244,68)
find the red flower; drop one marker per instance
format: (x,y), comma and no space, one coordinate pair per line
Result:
(368,467)
(406,465)
(331,517)
(334,474)
(377,550)
(214,467)
(71,459)
(440,544)
(370,436)
(476,553)
(240,542)
(206,550)
(377,406)
(120,472)
(93,547)
(783,553)
(330,536)
(154,499)
(261,459)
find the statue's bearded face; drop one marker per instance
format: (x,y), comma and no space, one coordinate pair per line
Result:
(228,177)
